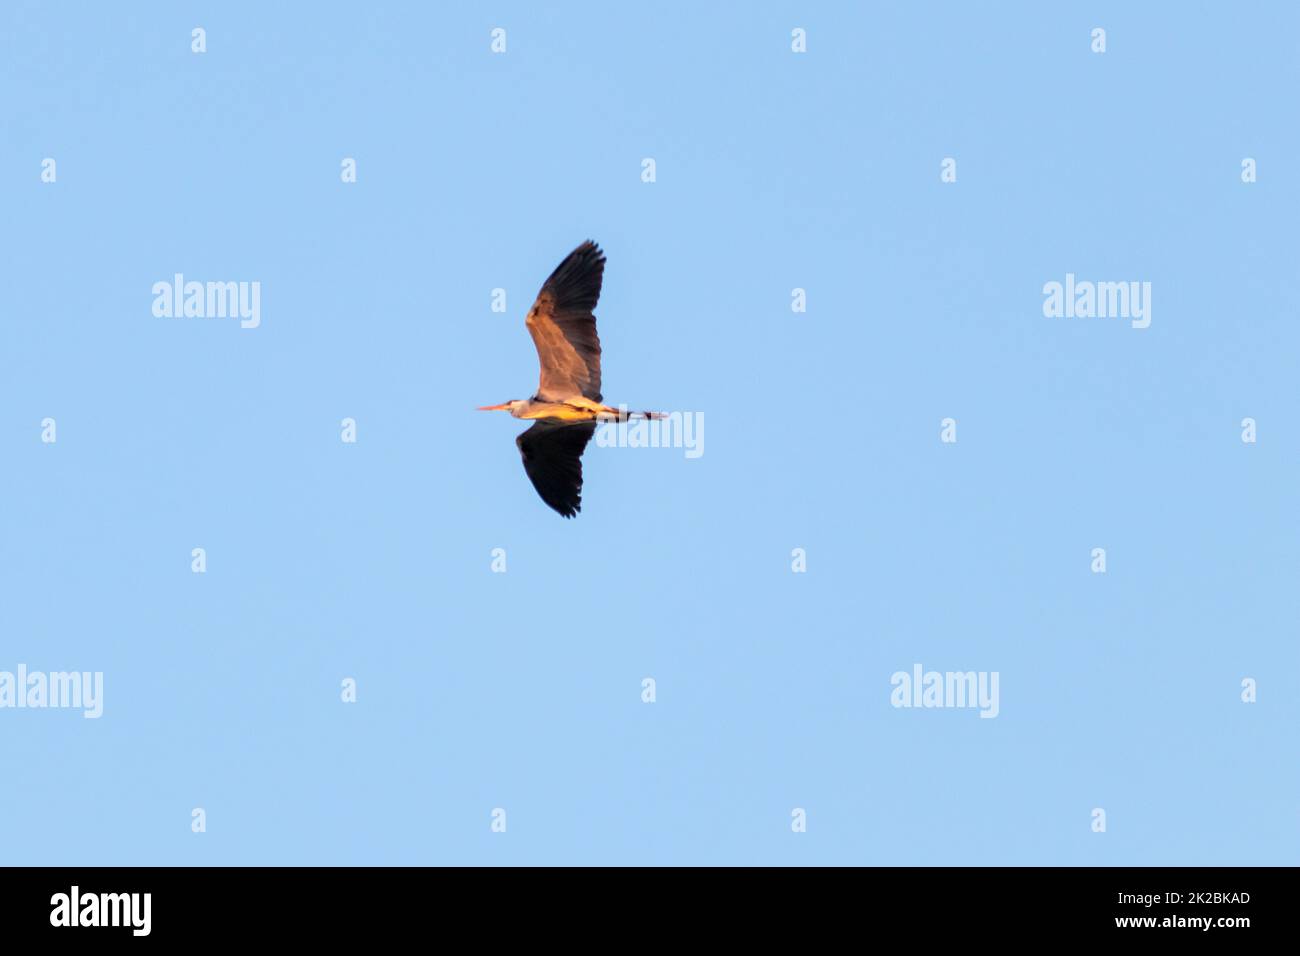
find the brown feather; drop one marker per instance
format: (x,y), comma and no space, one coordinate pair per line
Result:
(563,327)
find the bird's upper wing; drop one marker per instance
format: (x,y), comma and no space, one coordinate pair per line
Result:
(564,329)
(552,456)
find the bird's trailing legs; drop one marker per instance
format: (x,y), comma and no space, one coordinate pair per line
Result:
(608,414)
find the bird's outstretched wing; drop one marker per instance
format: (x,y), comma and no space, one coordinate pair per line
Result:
(552,455)
(564,329)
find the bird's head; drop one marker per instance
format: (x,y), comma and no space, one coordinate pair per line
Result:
(509,406)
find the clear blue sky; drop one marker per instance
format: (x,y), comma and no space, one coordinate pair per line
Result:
(522,690)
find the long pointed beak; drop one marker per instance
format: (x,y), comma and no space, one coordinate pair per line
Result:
(493,408)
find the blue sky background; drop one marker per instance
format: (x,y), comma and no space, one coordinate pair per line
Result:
(522,690)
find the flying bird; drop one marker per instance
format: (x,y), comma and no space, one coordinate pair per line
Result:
(568,404)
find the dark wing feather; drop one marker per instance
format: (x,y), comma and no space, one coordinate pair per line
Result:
(552,456)
(564,329)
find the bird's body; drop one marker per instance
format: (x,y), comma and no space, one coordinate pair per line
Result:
(578,409)
(568,402)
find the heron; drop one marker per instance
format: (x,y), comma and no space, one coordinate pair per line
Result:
(567,405)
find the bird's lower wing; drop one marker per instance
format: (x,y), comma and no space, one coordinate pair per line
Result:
(552,455)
